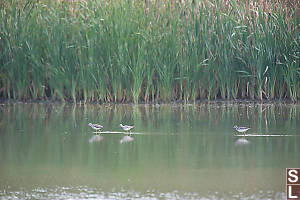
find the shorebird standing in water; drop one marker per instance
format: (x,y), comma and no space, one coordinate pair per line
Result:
(96,126)
(127,128)
(241,129)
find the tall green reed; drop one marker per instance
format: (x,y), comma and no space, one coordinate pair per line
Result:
(131,51)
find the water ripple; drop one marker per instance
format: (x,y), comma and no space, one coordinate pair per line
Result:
(84,192)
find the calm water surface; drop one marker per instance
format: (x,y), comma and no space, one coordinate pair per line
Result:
(47,151)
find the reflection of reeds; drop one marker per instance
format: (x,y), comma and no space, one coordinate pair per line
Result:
(29,121)
(132,52)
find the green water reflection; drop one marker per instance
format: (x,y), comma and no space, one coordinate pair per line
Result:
(47,151)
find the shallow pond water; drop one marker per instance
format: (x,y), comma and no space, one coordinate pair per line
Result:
(48,151)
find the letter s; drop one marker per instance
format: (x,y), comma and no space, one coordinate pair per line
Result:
(293,173)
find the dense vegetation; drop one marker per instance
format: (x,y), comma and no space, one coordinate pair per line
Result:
(149,51)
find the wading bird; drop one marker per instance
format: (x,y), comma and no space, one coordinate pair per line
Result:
(241,129)
(95,126)
(127,128)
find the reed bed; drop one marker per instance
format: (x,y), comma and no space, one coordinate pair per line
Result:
(149,51)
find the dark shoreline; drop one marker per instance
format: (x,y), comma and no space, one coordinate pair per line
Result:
(237,101)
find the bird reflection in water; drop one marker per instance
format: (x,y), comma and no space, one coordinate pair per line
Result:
(96,138)
(241,142)
(126,139)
